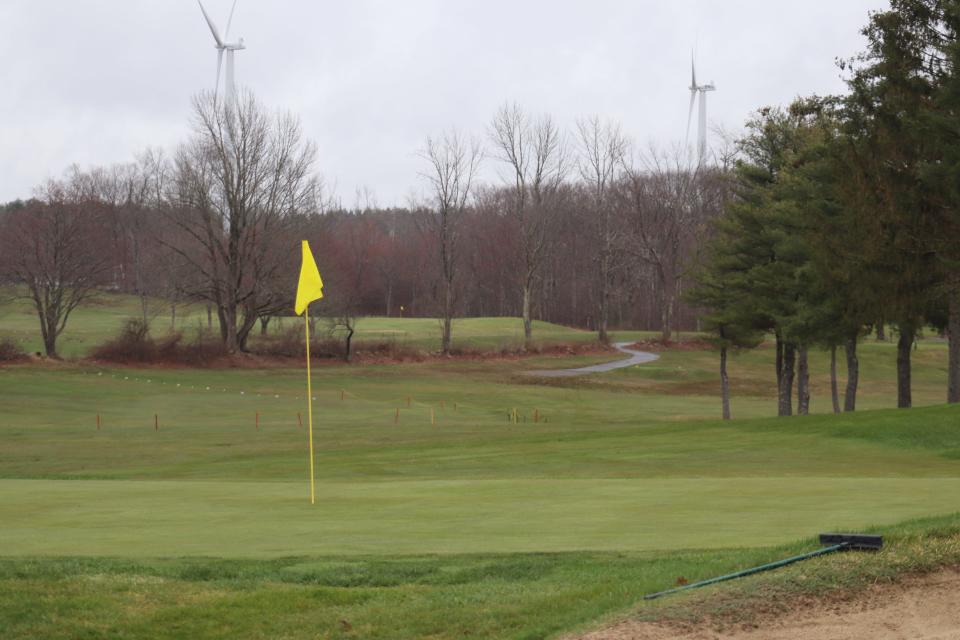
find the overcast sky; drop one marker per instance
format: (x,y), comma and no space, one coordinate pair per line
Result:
(96,81)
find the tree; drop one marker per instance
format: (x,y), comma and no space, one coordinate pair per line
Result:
(452,167)
(55,248)
(238,185)
(761,253)
(535,154)
(666,214)
(730,323)
(602,149)
(892,87)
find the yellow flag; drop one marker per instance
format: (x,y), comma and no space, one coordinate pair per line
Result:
(310,287)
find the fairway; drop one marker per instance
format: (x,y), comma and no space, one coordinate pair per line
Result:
(223,470)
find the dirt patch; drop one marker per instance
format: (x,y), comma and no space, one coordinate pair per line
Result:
(919,608)
(364,354)
(656,345)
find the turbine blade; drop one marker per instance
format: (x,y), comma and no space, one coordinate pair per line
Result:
(693,72)
(693,97)
(213,29)
(216,87)
(226,34)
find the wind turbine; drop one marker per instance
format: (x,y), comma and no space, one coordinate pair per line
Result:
(702,89)
(221,46)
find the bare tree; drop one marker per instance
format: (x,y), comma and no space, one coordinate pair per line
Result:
(453,165)
(534,151)
(602,149)
(238,184)
(55,249)
(666,216)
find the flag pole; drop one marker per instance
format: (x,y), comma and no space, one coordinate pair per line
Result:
(306,327)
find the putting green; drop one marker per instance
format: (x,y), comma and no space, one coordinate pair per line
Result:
(246,519)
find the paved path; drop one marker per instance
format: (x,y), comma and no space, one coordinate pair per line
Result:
(636,357)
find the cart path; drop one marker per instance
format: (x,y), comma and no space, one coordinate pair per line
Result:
(636,357)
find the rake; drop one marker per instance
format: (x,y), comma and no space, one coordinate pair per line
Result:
(833,541)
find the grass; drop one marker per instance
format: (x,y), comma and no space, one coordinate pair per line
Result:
(467,526)
(528,595)
(101,319)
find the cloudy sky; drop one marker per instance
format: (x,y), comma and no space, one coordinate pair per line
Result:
(96,81)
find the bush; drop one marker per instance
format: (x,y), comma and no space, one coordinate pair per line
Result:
(134,344)
(10,350)
(291,344)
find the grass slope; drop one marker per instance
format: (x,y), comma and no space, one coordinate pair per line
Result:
(518,596)
(467,526)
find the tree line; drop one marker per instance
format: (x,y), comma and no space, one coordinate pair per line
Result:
(580,228)
(845,214)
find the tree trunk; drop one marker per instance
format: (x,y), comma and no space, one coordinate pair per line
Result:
(904,345)
(209,318)
(953,336)
(247,323)
(853,375)
(602,320)
(779,361)
(48,330)
(527,328)
(724,384)
(347,352)
(803,382)
(264,321)
(50,344)
(228,328)
(447,315)
(785,392)
(880,331)
(666,319)
(834,390)
(173,316)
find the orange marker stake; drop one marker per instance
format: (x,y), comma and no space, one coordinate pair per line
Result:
(396,416)
(299,421)
(156,423)
(98,422)
(341,394)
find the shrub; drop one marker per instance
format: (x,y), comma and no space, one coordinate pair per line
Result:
(290,344)
(10,350)
(133,344)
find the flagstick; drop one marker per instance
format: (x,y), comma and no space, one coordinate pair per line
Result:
(306,320)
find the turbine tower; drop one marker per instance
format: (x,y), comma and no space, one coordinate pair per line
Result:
(702,89)
(222,45)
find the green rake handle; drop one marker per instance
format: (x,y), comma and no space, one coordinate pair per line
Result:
(749,572)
